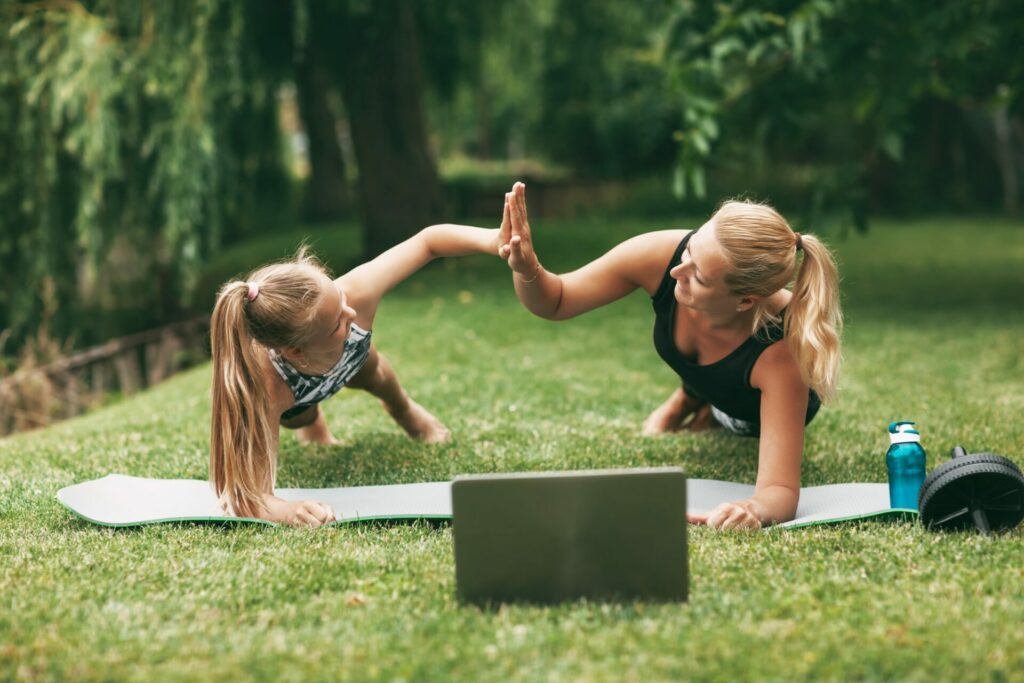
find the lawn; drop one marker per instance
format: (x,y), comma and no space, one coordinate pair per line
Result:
(935,324)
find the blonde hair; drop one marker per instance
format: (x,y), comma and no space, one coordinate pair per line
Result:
(761,250)
(243,463)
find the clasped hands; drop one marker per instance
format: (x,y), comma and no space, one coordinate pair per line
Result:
(514,243)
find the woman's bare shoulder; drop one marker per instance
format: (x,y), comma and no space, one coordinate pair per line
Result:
(651,252)
(776,366)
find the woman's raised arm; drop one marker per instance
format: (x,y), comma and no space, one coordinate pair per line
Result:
(639,262)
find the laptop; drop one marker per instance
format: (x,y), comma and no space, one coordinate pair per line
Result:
(556,536)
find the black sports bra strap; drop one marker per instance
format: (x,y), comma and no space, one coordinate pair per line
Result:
(667,281)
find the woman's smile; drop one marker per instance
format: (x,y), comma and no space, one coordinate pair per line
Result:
(680,291)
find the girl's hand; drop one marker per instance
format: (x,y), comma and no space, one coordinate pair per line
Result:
(518,251)
(307,513)
(738,515)
(504,231)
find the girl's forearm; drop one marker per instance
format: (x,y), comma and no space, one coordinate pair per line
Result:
(446,239)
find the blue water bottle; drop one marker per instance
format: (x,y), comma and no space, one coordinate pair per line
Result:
(905,460)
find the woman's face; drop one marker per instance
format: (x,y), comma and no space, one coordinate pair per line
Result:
(331,326)
(700,274)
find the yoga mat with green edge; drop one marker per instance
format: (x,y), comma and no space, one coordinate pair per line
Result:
(119,500)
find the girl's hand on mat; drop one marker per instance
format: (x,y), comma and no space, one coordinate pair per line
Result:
(519,249)
(308,513)
(734,516)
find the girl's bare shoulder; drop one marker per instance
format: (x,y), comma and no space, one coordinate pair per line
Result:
(280,396)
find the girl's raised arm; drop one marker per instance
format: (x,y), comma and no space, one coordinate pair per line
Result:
(367,283)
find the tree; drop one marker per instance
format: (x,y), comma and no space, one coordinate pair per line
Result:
(840,84)
(375,60)
(138,137)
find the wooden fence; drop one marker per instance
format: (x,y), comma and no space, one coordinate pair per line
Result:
(36,396)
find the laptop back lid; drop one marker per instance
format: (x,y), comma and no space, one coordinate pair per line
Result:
(549,537)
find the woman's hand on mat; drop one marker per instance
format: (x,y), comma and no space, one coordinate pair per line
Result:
(309,513)
(518,250)
(739,515)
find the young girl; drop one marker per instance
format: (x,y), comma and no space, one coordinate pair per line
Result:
(753,356)
(289,337)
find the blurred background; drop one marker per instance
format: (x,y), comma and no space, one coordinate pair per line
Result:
(149,148)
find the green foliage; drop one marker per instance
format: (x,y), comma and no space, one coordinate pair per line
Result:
(140,136)
(578,83)
(602,98)
(839,84)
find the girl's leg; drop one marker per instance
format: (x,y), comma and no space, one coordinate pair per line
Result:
(310,427)
(670,415)
(378,378)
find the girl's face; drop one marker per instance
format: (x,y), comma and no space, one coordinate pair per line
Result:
(331,326)
(700,274)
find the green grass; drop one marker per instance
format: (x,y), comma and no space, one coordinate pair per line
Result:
(935,329)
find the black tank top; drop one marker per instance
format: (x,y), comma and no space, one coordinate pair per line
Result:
(724,384)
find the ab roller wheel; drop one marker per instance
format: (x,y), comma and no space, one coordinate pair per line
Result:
(980,491)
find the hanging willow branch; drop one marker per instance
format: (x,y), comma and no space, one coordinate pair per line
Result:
(141,129)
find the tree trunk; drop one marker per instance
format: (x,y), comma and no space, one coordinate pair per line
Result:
(399,189)
(1005,157)
(326,195)
(993,129)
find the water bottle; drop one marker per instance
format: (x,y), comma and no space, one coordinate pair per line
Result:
(906,461)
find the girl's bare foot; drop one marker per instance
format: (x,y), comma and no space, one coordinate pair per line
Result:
(314,434)
(670,415)
(420,424)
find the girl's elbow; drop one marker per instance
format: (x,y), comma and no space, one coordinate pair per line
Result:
(428,238)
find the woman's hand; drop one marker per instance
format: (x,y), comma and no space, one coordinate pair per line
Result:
(307,513)
(518,249)
(739,515)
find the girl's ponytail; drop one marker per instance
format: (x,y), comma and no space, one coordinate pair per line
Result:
(242,451)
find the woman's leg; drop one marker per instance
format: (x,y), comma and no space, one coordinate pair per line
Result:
(670,415)
(378,378)
(310,426)
(704,419)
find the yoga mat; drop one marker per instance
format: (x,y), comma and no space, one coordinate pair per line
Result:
(119,500)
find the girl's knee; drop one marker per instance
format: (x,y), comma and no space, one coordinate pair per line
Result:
(303,419)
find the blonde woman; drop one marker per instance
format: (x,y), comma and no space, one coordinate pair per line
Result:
(753,355)
(287,338)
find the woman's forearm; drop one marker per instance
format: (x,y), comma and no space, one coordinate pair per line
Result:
(446,239)
(540,293)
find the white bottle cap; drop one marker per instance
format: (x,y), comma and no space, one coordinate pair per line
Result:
(904,437)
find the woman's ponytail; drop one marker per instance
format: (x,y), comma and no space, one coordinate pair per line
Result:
(814,319)
(763,252)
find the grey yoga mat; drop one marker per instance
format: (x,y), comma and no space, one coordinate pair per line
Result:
(120,500)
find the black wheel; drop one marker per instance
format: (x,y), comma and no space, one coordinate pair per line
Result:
(982,491)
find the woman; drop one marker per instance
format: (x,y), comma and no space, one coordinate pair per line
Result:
(289,337)
(753,356)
